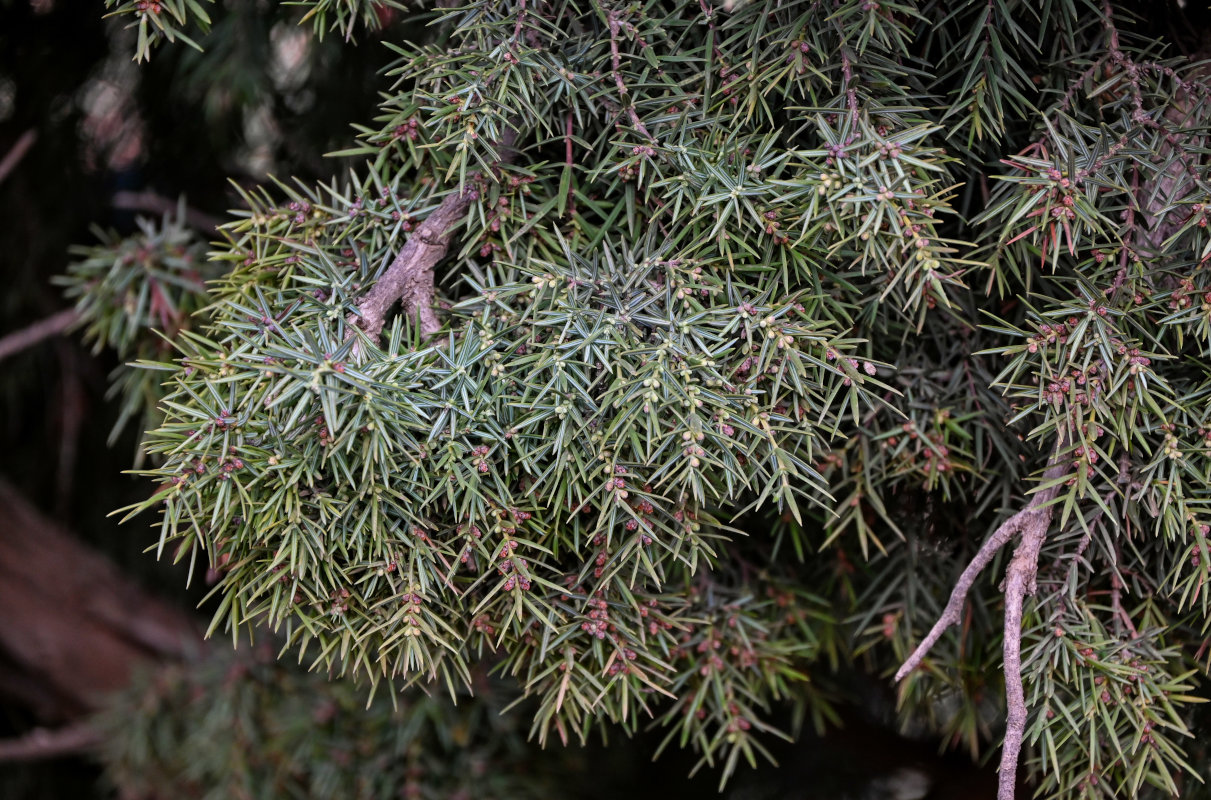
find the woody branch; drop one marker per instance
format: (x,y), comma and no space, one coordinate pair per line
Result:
(1031,523)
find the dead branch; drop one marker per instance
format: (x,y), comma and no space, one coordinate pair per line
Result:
(31,335)
(1019,583)
(410,276)
(409,279)
(1031,523)
(952,614)
(74,628)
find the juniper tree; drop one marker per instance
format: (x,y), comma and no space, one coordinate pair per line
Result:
(672,359)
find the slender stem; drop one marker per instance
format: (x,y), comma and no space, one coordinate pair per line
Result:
(567,138)
(31,335)
(616,64)
(17,152)
(41,744)
(1116,605)
(1112,43)
(851,93)
(521,19)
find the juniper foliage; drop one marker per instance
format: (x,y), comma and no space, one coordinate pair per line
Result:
(674,358)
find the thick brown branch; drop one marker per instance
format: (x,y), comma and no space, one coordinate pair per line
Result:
(1032,523)
(409,279)
(952,614)
(1019,583)
(73,627)
(29,336)
(410,276)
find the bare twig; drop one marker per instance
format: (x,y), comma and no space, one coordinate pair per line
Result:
(1031,523)
(616,66)
(158,204)
(1112,41)
(29,336)
(41,743)
(17,152)
(851,94)
(410,277)
(521,20)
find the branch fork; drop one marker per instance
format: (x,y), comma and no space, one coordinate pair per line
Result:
(1030,524)
(409,279)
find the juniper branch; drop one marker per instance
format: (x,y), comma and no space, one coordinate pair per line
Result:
(410,277)
(1033,515)
(1032,523)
